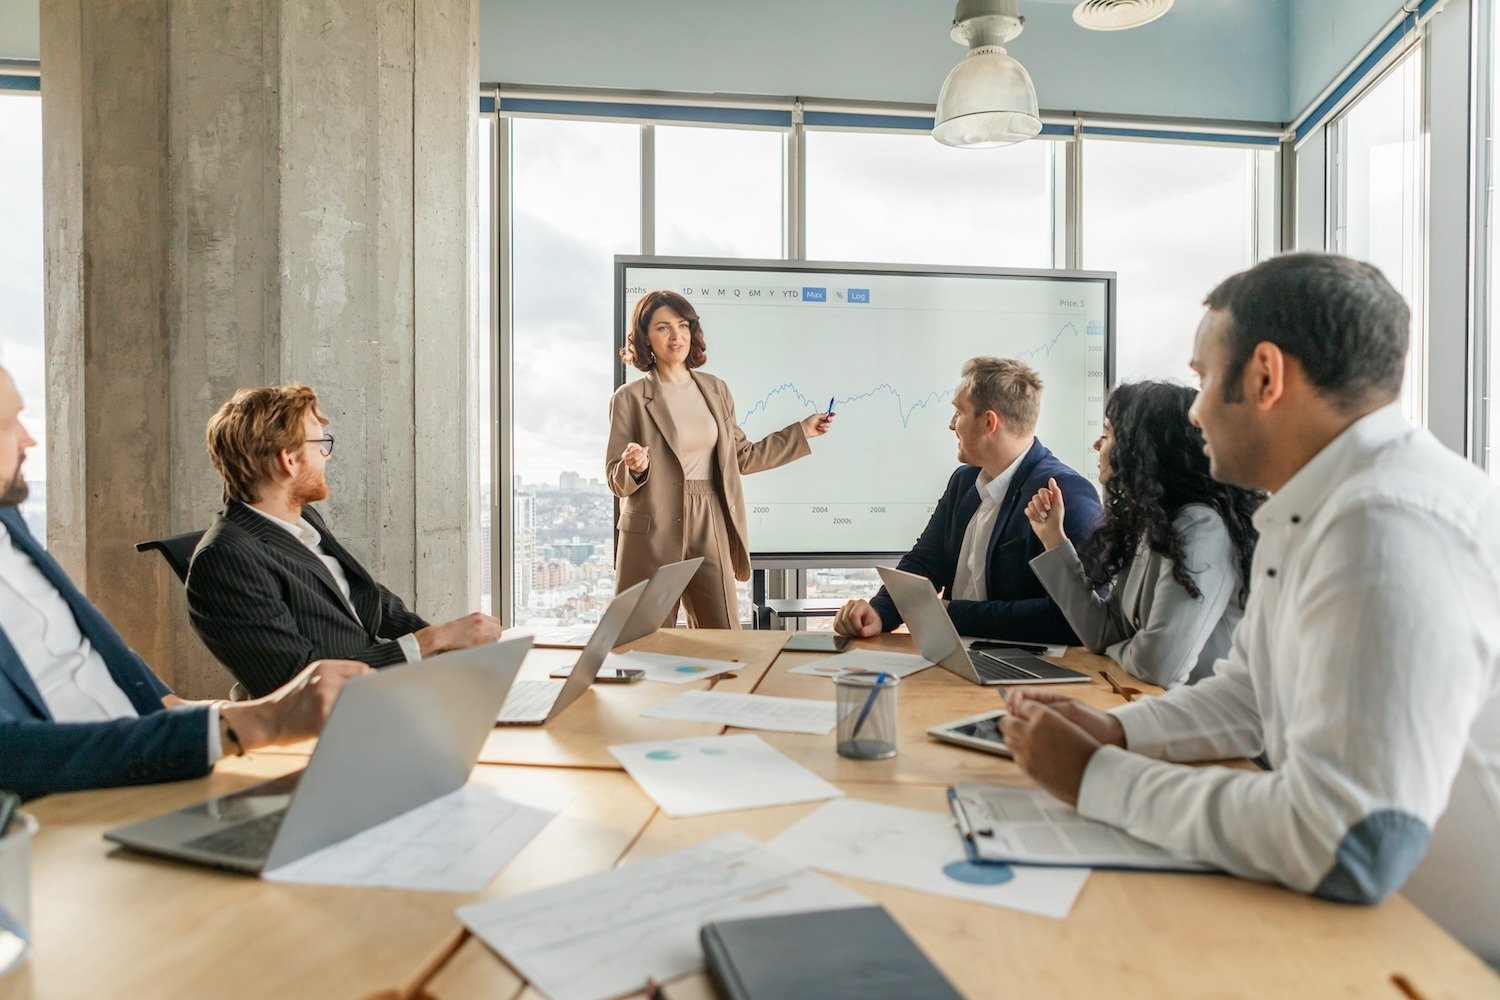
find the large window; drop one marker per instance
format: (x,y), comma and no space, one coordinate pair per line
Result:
(575,196)
(718,192)
(1173,220)
(484,139)
(21,339)
(1488,434)
(1378,197)
(898,199)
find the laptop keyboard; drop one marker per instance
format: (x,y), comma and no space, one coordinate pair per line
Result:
(994,669)
(530,700)
(251,839)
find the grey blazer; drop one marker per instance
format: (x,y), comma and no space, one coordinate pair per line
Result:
(1149,624)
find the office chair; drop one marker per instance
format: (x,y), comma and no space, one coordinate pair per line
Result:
(176,550)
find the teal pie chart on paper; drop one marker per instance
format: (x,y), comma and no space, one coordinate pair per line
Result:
(989,873)
(689,668)
(662,755)
(712,751)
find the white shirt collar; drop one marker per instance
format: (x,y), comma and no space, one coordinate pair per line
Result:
(993,489)
(300,530)
(1305,492)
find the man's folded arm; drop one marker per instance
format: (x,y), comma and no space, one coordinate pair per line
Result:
(1374,738)
(1034,619)
(396,619)
(41,758)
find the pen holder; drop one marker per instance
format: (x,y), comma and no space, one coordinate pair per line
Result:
(865,705)
(15,891)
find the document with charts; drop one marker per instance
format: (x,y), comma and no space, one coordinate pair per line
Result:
(712,774)
(921,850)
(749,711)
(604,935)
(876,661)
(453,844)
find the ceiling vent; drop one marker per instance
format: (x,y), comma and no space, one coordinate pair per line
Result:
(1117,15)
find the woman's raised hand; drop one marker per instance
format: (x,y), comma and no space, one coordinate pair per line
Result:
(1045,512)
(817,425)
(637,458)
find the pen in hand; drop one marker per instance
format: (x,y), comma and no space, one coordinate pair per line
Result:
(830,406)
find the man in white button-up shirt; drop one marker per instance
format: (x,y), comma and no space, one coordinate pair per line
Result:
(270,587)
(78,708)
(1367,666)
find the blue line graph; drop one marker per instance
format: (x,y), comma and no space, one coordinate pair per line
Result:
(904,412)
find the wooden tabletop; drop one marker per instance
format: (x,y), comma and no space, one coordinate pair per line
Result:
(109,923)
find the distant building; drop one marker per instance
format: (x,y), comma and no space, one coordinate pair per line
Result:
(570,482)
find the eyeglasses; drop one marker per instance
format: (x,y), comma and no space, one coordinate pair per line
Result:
(327,444)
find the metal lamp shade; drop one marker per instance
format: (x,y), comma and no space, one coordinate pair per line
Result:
(988,100)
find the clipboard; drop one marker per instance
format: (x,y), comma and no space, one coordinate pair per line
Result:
(1033,828)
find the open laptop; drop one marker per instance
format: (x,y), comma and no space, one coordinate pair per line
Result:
(663,589)
(939,641)
(395,740)
(533,703)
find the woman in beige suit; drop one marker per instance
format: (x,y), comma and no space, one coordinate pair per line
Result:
(675,457)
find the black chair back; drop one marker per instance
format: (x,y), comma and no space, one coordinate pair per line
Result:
(176,550)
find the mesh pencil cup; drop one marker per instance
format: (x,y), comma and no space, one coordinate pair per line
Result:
(865,704)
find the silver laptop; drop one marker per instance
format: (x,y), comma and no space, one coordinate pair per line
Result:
(395,740)
(534,703)
(663,589)
(939,641)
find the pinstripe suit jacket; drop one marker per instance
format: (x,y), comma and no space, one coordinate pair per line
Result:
(266,606)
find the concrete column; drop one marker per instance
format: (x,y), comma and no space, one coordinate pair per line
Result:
(317,221)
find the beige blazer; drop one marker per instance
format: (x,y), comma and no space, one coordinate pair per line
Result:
(651,532)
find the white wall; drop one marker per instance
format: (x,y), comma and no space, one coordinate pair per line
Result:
(1206,58)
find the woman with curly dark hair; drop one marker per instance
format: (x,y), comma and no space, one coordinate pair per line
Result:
(1174,547)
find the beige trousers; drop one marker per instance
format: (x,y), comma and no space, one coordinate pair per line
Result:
(710,596)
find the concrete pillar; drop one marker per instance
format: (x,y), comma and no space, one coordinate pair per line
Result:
(317,221)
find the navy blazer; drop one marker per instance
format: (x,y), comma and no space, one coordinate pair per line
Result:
(39,756)
(266,606)
(1021,608)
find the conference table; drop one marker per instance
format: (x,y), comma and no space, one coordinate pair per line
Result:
(110,923)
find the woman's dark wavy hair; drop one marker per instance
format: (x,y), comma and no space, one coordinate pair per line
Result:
(1157,466)
(637,350)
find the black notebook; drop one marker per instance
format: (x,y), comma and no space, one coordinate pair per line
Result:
(858,954)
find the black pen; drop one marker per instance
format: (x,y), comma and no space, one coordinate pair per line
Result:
(9,801)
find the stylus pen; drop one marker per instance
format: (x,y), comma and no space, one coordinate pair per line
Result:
(864,713)
(830,406)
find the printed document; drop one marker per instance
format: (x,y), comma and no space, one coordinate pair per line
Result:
(874,661)
(604,935)
(669,668)
(453,844)
(749,711)
(710,774)
(920,850)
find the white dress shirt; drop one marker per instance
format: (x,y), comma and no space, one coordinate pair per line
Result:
(310,537)
(1367,669)
(971,579)
(70,674)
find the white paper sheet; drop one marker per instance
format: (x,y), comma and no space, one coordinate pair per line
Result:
(749,711)
(873,660)
(572,637)
(922,851)
(718,774)
(453,844)
(669,668)
(604,935)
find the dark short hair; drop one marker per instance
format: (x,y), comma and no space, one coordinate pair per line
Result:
(1339,317)
(637,350)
